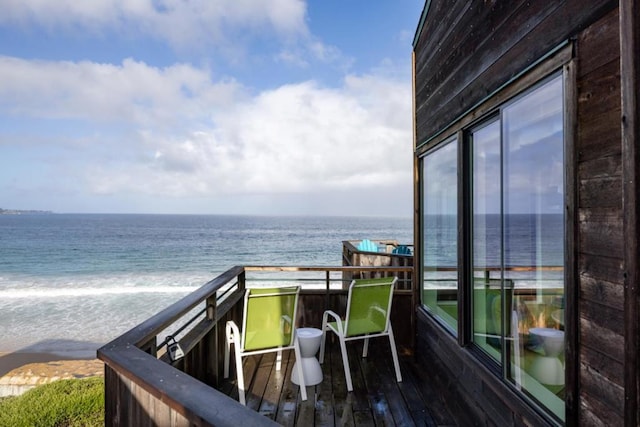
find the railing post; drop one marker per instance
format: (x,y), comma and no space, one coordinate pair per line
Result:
(327,289)
(212,342)
(242,281)
(211,307)
(150,347)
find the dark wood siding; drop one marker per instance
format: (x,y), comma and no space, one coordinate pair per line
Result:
(630,97)
(600,244)
(468,50)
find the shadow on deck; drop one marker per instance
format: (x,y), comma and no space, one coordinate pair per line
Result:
(377,399)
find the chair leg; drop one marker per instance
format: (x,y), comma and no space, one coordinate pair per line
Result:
(394,354)
(365,347)
(226,359)
(227,350)
(345,362)
(303,385)
(279,360)
(240,375)
(322,341)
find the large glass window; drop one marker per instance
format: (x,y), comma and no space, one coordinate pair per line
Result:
(533,228)
(439,233)
(514,239)
(486,237)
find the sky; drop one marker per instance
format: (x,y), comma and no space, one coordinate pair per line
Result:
(270,107)
(517,155)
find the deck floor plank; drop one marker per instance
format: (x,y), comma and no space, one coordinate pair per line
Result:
(341,398)
(419,407)
(306,411)
(258,383)
(377,399)
(273,390)
(250,365)
(325,409)
(437,408)
(416,406)
(288,404)
(361,395)
(383,364)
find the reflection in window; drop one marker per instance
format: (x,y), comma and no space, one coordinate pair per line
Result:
(518,242)
(487,240)
(514,208)
(440,248)
(533,227)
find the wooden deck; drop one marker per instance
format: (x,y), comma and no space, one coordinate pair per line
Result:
(377,400)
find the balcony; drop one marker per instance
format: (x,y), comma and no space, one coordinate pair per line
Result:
(144,387)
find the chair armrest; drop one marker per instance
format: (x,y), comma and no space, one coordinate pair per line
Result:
(233,333)
(335,316)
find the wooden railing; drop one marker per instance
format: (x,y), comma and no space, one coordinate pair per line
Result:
(144,386)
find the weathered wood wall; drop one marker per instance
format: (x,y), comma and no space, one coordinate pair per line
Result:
(465,54)
(600,242)
(468,50)
(630,97)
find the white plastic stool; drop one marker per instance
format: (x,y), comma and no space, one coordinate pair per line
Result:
(548,369)
(309,340)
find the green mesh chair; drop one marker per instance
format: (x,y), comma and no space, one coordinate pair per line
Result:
(368,316)
(268,325)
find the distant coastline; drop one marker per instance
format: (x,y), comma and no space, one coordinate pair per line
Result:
(23,212)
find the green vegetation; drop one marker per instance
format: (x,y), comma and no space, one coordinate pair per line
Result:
(64,403)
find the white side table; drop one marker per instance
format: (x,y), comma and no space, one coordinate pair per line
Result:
(309,340)
(548,369)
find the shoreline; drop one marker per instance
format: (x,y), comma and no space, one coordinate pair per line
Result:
(14,360)
(22,371)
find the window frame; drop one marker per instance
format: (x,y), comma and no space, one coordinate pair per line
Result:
(455,140)
(561,65)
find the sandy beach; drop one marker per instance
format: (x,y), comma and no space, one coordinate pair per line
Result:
(20,371)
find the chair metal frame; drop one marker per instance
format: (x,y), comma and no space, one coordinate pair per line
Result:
(346,333)
(234,336)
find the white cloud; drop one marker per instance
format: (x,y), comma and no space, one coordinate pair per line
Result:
(193,24)
(293,139)
(179,22)
(139,130)
(230,28)
(189,136)
(308,51)
(133,92)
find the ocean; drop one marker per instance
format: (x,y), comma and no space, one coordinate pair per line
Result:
(528,239)
(520,240)
(70,283)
